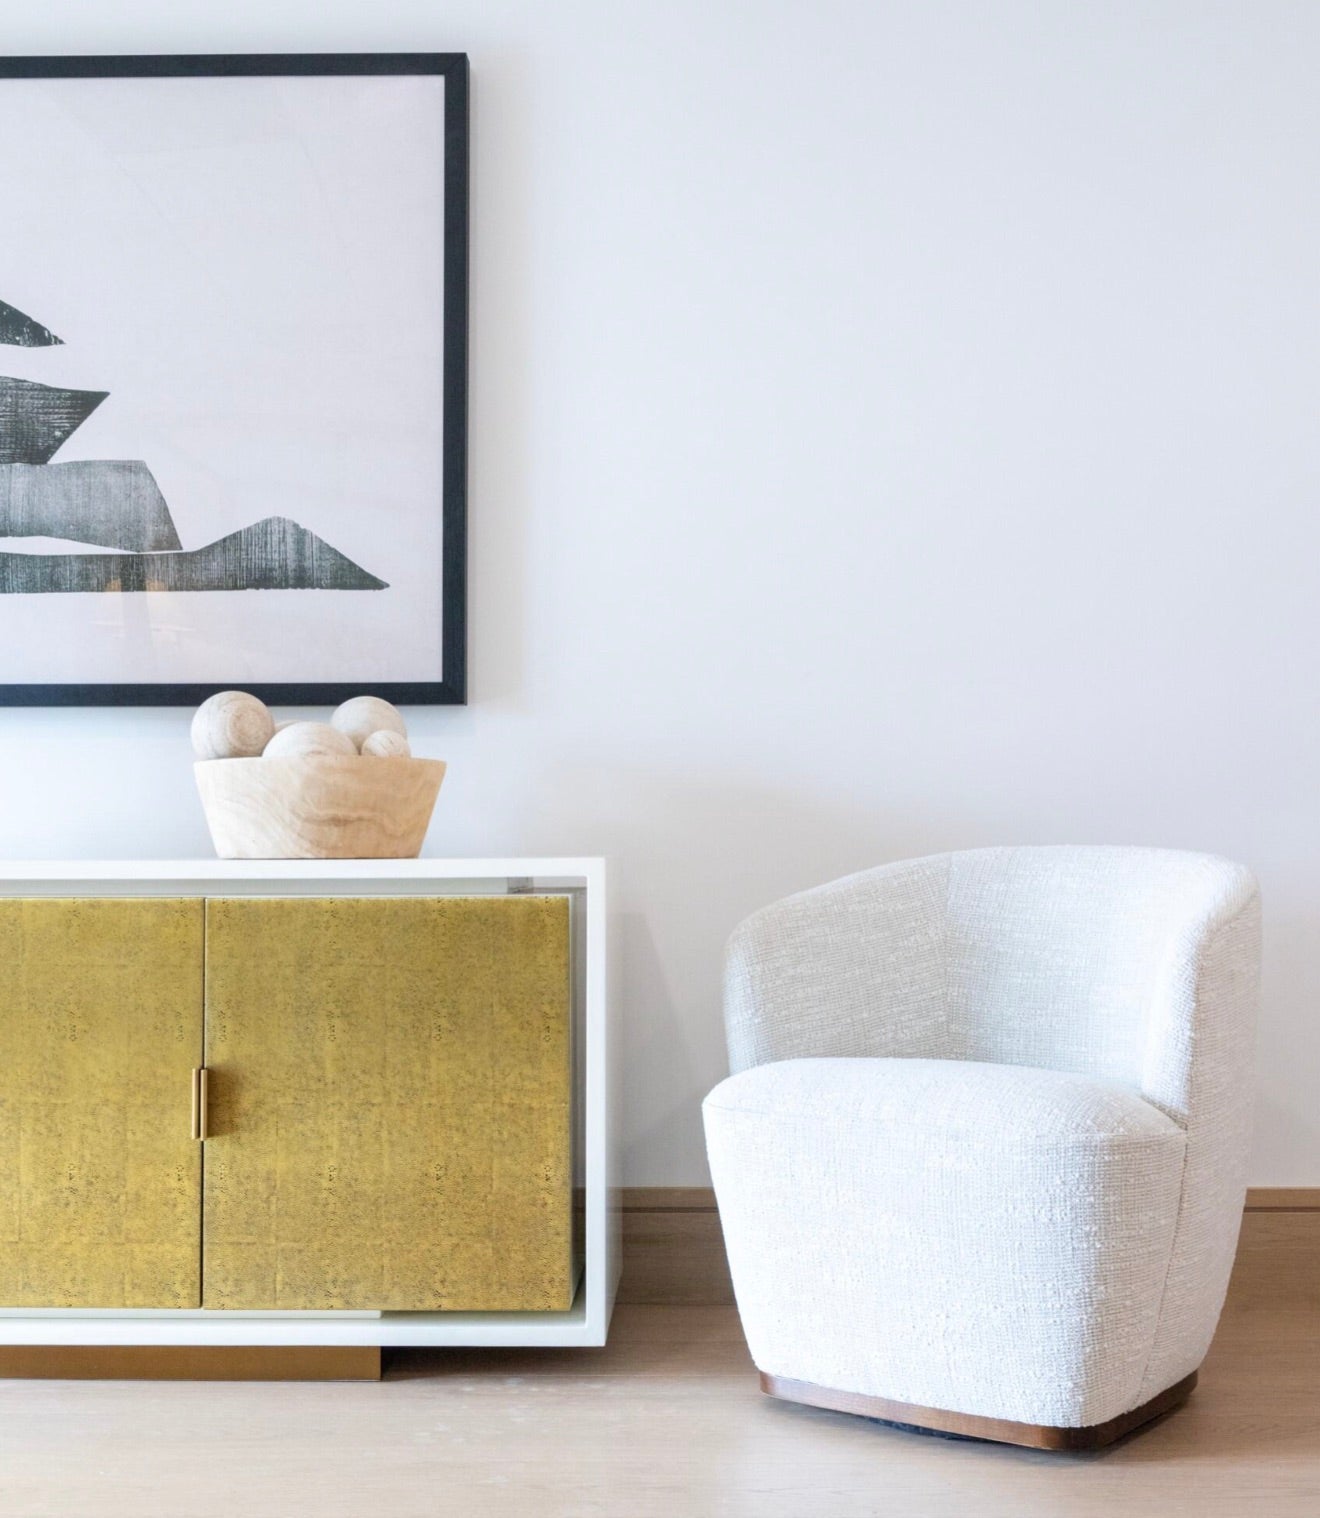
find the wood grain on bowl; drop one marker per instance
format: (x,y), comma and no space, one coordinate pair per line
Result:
(320,807)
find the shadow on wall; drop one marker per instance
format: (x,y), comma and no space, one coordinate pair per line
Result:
(1285,1132)
(690,858)
(500,369)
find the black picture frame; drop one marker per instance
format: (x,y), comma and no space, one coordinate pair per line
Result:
(451,687)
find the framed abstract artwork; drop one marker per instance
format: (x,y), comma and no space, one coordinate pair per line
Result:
(233,378)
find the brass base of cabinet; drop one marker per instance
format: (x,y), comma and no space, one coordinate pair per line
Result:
(189,1362)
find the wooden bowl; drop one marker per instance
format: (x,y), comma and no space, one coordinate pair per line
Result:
(319,807)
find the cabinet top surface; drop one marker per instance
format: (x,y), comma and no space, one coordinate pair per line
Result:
(587,869)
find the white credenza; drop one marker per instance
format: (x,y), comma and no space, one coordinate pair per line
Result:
(592,1054)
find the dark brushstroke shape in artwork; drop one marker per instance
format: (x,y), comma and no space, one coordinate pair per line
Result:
(114,503)
(20,331)
(36,419)
(274,554)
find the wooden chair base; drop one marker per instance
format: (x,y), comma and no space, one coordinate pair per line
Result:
(189,1362)
(969,1425)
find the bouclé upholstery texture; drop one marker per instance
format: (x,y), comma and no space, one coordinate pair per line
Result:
(984,1145)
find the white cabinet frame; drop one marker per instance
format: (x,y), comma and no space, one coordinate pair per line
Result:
(594,1085)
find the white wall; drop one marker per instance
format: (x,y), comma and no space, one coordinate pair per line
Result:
(894,429)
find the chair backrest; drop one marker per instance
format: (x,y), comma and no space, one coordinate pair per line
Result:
(1050,956)
(1055,956)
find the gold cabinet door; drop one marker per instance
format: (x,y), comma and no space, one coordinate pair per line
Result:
(100,1027)
(389,1104)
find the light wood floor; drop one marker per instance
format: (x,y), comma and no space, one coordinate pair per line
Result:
(664,1423)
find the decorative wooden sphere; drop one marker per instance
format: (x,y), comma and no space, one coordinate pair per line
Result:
(307,740)
(232,725)
(365,715)
(386,744)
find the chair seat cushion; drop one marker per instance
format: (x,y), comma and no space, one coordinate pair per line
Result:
(954,1098)
(989,1239)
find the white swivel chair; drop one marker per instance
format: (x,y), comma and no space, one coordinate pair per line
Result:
(981,1163)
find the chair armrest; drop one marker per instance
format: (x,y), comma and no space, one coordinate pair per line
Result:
(856,967)
(1198,1069)
(1200,1036)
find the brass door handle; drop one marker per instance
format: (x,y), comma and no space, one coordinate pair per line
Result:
(199,1102)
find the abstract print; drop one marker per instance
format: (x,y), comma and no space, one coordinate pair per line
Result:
(116,504)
